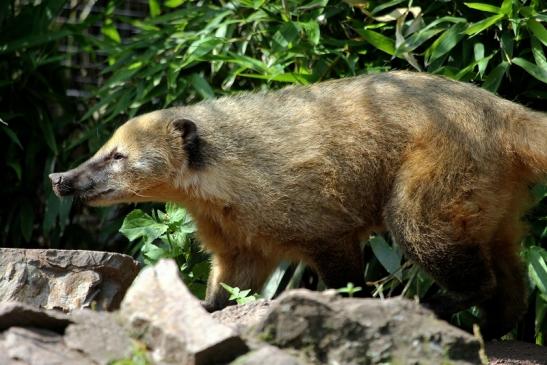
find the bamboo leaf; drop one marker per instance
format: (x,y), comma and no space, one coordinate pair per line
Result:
(538,30)
(378,40)
(484,7)
(478,27)
(446,41)
(154,7)
(493,80)
(534,70)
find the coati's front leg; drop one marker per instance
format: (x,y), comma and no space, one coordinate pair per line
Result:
(244,269)
(338,261)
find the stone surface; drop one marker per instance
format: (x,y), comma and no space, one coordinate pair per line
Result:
(24,315)
(98,335)
(515,353)
(33,346)
(241,317)
(328,329)
(163,314)
(268,355)
(64,279)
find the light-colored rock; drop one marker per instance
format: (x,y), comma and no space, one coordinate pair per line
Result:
(163,313)
(64,279)
(241,317)
(331,330)
(268,355)
(515,353)
(24,315)
(35,346)
(98,335)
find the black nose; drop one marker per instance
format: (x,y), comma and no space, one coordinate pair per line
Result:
(56,178)
(62,183)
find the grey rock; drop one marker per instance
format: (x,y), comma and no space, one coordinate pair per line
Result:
(98,335)
(268,355)
(35,346)
(163,313)
(243,316)
(515,353)
(336,330)
(64,279)
(24,315)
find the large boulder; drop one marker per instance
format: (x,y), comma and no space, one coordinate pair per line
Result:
(65,280)
(161,312)
(333,330)
(34,336)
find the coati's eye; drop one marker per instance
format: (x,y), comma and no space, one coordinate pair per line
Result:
(118,156)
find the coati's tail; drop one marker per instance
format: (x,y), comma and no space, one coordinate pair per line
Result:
(530,142)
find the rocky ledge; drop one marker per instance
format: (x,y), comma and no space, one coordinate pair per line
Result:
(161,321)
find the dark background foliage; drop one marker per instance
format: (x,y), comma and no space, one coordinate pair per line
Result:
(180,52)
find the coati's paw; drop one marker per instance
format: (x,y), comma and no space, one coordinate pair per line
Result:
(209,307)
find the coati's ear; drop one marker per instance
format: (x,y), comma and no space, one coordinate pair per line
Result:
(190,140)
(187,129)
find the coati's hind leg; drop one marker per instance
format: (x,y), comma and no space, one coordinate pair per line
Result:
(445,219)
(509,302)
(462,268)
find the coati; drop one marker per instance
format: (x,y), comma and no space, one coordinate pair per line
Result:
(305,172)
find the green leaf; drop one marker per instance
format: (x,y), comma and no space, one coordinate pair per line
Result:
(16,166)
(51,212)
(534,70)
(292,77)
(26,214)
(484,7)
(47,132)
(385,6)
(285,36)
(538,30)
(537,52)
(175,213)
(478,53)
(493,80)
(202,46)
(478,27)
(139,224)
(153,252)
(11,134)
(173,3)
(446,41)
(387,255)
(202,86)
(312,31)
(154,7)
(33,41)
(378,40)
(109,30)
(537,267)
(507,7)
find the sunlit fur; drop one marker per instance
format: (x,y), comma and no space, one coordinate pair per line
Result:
(305,172)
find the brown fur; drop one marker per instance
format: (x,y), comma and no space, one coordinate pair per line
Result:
(305,172)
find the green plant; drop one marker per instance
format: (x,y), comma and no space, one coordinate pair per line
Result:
(139,356)
(240,296)
(350,289)
(168,234)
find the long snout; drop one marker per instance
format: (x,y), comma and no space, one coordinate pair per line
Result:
(63,182)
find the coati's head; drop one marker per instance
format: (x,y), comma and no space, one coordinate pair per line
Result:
(142,161)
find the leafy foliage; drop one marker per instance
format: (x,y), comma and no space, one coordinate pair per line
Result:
(168,234)
(240,296)
(350,289)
